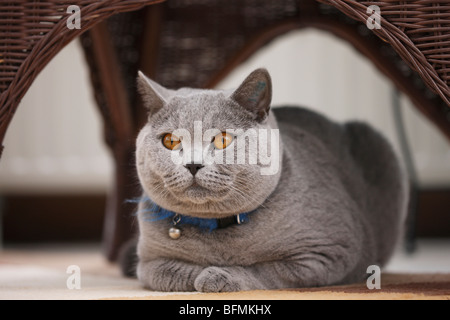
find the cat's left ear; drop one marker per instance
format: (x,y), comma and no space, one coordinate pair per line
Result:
(255,94)
(154,95)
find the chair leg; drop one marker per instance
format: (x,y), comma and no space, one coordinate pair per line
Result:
(411,218)
(118,222)
(113,103)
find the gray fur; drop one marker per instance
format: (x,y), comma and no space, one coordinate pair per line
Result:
(335,207)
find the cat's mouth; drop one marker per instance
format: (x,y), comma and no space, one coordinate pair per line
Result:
(199,194)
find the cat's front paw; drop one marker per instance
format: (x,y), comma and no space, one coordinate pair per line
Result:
(214,279)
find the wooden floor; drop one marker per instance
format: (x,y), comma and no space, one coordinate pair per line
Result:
(41,273)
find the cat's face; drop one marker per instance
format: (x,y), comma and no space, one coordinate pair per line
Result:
(196,155)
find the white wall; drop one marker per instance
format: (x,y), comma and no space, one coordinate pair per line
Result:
(55,142)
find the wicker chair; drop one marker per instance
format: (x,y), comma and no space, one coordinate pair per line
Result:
(192,43)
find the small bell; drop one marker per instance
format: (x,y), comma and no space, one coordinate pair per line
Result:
(174,233)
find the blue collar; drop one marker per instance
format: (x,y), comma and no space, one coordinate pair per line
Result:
(153,212)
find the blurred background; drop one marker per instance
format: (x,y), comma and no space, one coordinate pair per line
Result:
(56,170)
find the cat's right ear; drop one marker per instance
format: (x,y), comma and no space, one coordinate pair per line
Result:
(255,94)
(153,95)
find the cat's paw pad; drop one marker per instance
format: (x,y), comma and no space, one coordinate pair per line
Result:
(214,279)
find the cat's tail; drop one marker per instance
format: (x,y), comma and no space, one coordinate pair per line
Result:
(128,258)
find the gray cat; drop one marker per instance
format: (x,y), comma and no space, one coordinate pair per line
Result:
(333,205)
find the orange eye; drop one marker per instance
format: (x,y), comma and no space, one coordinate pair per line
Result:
(171,141)
(222,140)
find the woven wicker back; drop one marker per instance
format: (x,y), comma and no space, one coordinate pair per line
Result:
(199,38)
(418,30)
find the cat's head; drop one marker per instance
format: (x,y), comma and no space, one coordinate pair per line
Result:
(209,153)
